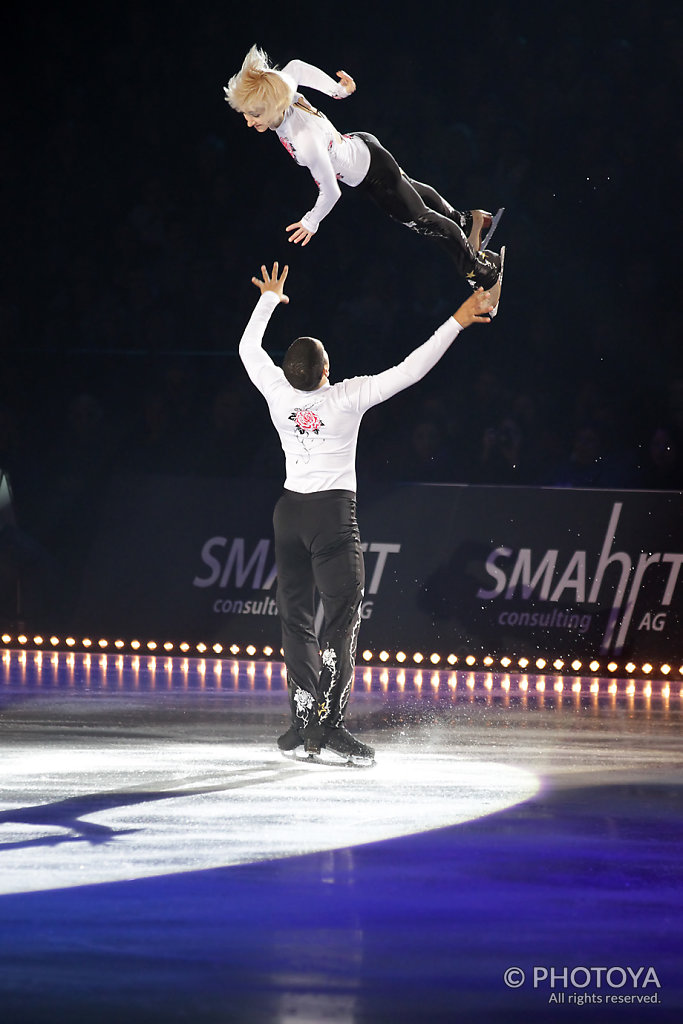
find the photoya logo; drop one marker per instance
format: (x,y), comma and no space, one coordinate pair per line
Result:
(582,581)
(597,985)
(230,566)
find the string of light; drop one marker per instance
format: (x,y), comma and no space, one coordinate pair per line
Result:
(573,666)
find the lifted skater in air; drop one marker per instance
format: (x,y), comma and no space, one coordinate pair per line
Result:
(269,99)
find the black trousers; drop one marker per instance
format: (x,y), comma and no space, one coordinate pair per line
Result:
(417,206)
(317,548)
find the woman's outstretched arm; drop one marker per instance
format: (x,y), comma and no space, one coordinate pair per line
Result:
(310,77)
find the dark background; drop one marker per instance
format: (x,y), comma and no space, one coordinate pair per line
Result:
(137,205)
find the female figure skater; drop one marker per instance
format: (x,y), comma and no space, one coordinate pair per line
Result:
(269,99)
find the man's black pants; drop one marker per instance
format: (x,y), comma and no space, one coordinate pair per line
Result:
(317,547)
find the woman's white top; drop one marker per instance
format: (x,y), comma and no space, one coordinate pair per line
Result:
(315,143)
(318,430)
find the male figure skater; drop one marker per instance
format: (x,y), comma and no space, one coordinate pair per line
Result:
(317,542)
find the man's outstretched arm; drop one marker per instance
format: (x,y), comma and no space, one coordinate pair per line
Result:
(258,364)
(273,282)
(372,390)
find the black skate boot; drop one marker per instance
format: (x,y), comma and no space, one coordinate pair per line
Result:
(340,742)
(486,269)
(289,741)
(487,273)
(314,738)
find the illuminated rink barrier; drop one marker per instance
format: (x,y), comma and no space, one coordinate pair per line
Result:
(118,767)
(504,674)
(670,674)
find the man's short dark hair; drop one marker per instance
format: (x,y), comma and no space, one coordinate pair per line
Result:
(304,363)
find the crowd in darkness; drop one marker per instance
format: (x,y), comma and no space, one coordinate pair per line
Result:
(138,206)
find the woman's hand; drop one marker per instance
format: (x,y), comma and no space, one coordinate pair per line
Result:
(346,81)
(272,283)
(301,234)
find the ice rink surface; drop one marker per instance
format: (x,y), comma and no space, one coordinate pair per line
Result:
(160,860)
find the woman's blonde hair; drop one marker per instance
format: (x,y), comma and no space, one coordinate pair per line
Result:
(259,88)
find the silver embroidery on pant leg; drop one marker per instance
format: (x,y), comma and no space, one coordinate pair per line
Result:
(346,692)
(329,657)
(304,702)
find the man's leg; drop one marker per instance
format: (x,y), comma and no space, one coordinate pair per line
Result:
(340,577)
(296,606)
(339,641)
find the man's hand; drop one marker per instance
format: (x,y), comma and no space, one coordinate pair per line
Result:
(346,81)
(301,234)
(272,283)
(475,309)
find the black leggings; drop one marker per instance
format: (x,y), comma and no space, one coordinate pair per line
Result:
(317,547)
(417,206)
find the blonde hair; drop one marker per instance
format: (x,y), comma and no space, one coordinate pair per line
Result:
(258,88)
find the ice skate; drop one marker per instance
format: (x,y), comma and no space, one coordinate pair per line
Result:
(487,273)
(302,744)
(482,220)
(497,288)
(290,741)
(495,221)
(312,737)
(340,747)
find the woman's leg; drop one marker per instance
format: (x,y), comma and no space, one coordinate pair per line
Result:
(431,198)
(473,222)
(421,208)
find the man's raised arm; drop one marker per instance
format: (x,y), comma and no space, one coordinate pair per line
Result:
(258,364)
(372,390)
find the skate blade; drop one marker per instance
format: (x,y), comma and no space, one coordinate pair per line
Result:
(496,290)
(291,755)
(312,759)
(334,760)
(494,224)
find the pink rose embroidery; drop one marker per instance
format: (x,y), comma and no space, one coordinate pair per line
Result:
(307,426)
(307,420)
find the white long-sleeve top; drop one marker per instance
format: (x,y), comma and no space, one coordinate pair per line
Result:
(318,430)
(315,143)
